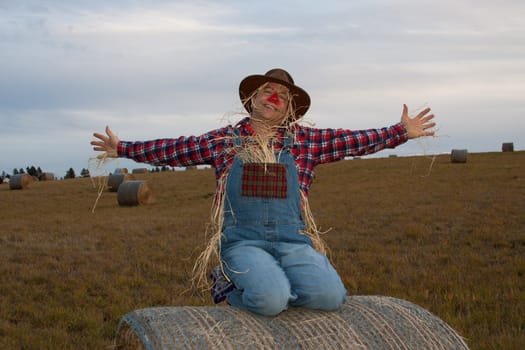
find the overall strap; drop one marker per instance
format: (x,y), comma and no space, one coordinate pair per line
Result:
(236,137)
(287,140)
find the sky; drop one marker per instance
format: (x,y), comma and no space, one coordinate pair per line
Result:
(156,69)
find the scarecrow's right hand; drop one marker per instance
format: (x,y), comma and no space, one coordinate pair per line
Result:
(108,143)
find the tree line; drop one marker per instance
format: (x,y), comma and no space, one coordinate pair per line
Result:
(38,173)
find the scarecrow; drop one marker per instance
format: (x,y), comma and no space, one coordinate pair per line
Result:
(267,246)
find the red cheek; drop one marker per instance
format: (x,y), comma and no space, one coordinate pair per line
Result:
(275,99)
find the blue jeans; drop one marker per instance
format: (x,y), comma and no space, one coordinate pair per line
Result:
(270,276)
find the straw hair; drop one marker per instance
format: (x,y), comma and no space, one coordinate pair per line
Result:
(98,167)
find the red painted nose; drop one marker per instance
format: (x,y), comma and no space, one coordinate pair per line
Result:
(275,99)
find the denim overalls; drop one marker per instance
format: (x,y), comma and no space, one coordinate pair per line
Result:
(271,263)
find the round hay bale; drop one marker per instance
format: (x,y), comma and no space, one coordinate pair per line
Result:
(507,147)
(20,181)
(121,170)
(47,177)
(114,180)
(363,322)
(139,171)
(134,192)
(458,156)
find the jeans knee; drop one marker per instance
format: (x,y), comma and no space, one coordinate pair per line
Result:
(328,299)
(266,304)
(332,301)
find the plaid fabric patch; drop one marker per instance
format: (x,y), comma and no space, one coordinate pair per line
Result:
(266,180)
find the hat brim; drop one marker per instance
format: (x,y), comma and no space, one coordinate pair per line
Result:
(301,99)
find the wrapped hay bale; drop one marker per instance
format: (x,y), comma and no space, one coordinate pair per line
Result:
(134,192)
(507,147)
(458,156)
(20,181)
(47,177)
(363,322)
(114,180)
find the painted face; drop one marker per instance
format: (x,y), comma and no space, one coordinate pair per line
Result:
(271,103)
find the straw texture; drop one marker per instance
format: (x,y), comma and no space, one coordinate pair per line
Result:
(364,322)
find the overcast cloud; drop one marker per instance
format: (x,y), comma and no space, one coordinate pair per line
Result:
(153,69)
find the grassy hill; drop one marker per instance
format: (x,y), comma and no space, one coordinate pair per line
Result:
(447,236)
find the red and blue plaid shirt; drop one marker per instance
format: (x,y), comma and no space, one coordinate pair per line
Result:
(312,146)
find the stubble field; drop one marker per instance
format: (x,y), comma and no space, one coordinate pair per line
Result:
(449,237)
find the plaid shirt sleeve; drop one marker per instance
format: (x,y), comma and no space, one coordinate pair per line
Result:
(182,151)
(328,145)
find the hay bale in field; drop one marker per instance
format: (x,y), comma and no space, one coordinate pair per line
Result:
(507,147)
(363,322)
(114,180)
(458,156)
(47,177)
(121,170)
(139,171)
(134,192)
(20,181)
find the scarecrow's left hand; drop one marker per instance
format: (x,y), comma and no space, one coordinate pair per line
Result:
(418,126)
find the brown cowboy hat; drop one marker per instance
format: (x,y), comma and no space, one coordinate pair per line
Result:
(300,98)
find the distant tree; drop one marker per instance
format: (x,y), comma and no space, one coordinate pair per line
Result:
(84,173)
(70,174)
(32,171)
(21,171)
(15,171)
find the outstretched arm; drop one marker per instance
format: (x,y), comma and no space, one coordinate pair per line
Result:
(419,125)
(107,143)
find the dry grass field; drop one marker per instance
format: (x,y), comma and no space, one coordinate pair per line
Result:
(452,241)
